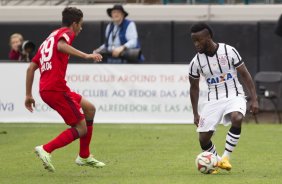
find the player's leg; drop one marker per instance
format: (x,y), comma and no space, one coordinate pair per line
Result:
(209,119)
(63,139)
(232,139)
(233,135)
(89,113)
(206,143)
(66,137)
(236,110)
(84,157)
(68,109)
(65,104)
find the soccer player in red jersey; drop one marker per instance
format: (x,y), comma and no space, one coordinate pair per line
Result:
(77,112)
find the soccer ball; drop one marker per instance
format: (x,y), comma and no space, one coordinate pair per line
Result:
(206,162)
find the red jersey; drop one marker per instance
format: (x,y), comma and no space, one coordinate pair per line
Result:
(52,63)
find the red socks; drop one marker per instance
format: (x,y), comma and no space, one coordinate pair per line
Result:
(69,135)
(62,140)
(84,151)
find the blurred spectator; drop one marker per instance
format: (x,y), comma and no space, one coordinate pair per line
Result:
(21,50)
(121,38)
(16,41)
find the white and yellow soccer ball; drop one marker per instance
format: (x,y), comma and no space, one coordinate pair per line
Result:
(206,162)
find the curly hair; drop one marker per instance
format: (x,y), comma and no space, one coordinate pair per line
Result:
(70,15)
(201,26)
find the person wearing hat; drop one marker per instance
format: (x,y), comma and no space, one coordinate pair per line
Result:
(120,34)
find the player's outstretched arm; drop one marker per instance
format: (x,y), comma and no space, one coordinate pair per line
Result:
(248,82)
(194,96)
(29,101)
(66,48)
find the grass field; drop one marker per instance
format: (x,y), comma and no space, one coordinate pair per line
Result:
(145,154)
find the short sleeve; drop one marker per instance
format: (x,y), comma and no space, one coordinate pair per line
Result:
(236,58)
(194,69)
(36,58)
(67,36)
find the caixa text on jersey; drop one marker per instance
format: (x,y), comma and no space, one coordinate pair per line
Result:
(218,79)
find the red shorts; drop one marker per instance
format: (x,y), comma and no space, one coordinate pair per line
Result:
(67,104)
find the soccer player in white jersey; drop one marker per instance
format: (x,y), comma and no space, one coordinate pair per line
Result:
(219,64)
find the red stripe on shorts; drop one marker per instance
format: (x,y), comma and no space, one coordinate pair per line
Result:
(73,106)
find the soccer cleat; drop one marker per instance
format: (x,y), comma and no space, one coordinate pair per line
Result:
(225,164)
(45,157)
(90,161)
(216,171)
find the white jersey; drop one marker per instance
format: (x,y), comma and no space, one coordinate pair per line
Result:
(219,72)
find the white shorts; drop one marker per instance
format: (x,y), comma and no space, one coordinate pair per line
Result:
(215,111)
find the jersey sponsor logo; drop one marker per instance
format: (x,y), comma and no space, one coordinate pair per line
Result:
(219,79)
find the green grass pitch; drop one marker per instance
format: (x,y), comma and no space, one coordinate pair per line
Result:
(140,154)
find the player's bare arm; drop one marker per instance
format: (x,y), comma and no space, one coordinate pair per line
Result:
(194,96)
(29,101)
(248,82)
(66,48)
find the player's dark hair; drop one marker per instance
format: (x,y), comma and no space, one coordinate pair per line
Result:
(201,26)
(70,15)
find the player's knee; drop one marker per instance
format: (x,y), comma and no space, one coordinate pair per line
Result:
(236,119)
(90,111)
(205,137)
(203,141)
(83,132)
